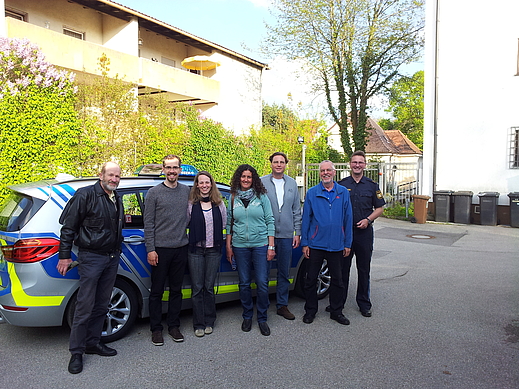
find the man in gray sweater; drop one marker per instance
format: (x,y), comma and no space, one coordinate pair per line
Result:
(286,206)
(165,223)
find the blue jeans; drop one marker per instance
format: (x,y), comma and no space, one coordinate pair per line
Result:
(247,259)
(203,266)
(284,259)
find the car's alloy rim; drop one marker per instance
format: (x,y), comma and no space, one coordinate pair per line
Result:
(118,312)
(323,280)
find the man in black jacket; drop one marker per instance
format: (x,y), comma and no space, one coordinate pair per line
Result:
(92,220)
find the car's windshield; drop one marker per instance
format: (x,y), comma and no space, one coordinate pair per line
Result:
(17,210)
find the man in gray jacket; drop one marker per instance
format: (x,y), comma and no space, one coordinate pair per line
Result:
(165,223)
(286,206)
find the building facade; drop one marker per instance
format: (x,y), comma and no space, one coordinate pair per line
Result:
(74,34)
(471,128)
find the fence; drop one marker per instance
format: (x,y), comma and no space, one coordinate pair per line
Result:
(398,181)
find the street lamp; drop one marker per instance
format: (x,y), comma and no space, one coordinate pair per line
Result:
(301,141)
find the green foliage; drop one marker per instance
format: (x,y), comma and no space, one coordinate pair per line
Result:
(397,211)
(355,47)
(406,98)
(39,128)
(108,109)
(280,132)
(46,128)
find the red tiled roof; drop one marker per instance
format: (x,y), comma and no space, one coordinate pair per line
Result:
(387,142)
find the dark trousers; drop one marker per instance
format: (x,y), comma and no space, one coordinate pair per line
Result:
(96,280)
(171,267)
(334,259)
(362,248)
(203,266)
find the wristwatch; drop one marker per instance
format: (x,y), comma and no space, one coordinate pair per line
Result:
(271,247)
(369,220)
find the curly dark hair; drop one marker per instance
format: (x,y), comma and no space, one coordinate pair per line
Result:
(257,185)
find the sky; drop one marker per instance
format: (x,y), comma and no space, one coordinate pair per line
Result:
(239,25)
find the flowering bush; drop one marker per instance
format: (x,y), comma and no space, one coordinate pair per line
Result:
(38,124)
(22,64)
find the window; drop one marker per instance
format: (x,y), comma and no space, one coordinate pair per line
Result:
(133,203)
(167,61)
(19,15)
(73,34)
(514,148)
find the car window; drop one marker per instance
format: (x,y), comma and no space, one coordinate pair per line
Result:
(133,203)
(17,210)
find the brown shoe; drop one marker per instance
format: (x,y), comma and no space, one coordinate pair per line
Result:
(283,311)
(157,338)
(176,334)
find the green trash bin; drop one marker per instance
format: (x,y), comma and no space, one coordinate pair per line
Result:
(488,208)
(442,205)
(462,202)
(514,209)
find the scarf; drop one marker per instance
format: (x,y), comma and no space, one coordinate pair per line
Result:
(246,196)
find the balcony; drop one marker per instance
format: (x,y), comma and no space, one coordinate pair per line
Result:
(82,57)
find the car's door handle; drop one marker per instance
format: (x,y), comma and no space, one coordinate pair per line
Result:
(134,239)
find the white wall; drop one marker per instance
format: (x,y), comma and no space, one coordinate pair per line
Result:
(240,95)
(477,96)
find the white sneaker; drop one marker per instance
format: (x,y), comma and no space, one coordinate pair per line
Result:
(199,332)
(208,330)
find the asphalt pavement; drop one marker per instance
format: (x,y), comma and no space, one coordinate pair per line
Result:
(445,315)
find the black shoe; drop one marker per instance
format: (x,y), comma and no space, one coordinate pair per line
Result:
(264,328)
(101,349)
(75,364)
(246,325)
(308,319)
(340,318)
(366,313)
(328,309)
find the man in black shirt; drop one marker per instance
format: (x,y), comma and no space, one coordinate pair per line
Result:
(368,203)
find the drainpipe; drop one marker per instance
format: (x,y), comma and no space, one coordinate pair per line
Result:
(432,26)
(435,110)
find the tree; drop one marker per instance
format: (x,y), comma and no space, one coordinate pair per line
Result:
(108,109)
(406,104)
(354,46)
(39,127)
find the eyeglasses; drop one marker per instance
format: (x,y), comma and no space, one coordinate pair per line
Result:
(358,163)
(171,167)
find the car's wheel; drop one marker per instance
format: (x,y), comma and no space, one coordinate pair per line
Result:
(122,312)
(323,280)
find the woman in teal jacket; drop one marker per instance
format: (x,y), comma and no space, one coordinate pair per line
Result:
(250,240)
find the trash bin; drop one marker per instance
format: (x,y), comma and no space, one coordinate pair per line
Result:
(442,205)
(514,209)
(462,202)
(420,208)
(488,208)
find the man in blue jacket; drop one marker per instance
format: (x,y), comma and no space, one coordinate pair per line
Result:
(326,234)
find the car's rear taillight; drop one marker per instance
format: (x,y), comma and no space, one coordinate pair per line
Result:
(31,250)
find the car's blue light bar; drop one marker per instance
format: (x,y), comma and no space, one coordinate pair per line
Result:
(155,169)
(188,170)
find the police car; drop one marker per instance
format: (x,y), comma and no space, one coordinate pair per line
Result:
(34,294)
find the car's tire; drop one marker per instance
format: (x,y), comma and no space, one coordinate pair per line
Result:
(122,312)
(323,280)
